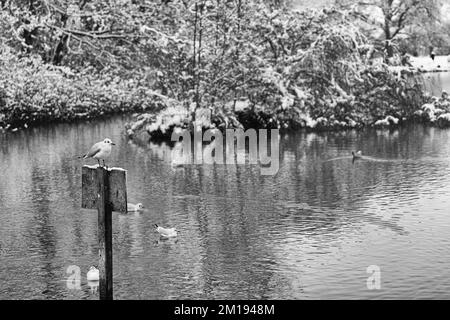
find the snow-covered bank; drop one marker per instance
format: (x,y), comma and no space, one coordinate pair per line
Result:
(437,111)
(426,64)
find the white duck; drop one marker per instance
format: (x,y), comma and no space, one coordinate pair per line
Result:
(135,207)
(93,274)
(166,232)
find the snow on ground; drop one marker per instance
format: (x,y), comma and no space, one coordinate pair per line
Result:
(426,64)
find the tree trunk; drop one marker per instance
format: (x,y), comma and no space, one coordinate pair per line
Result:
(60,51)
(387,12)
(387,29)
(61,46)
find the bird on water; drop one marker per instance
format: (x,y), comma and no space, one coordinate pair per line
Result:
(135,207)
(93,274)
(166,232)
(356,155)
(100,151)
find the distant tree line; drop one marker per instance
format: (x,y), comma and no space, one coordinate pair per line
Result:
(412,26)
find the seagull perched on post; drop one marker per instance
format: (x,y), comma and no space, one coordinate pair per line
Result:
(100,151)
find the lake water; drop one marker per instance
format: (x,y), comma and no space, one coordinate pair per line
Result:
(310,231)
(436,82)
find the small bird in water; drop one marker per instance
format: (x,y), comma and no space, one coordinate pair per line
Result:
(93,274)
(135,207)
(100,151)
(166,232)
(357,155)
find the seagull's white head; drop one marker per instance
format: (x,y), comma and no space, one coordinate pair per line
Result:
(108,141)
(139,206)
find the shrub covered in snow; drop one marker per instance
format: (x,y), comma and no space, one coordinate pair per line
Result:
(32,91)
(388,121)
(436,110)
(298,70)
(444,120)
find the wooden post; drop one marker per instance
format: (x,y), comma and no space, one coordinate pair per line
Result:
(104,236)
(104,190)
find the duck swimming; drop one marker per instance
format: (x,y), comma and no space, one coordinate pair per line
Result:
(93,274)
(135,207)
(357,155)
(166,232)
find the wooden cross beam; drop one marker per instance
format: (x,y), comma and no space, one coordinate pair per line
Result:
(105,190)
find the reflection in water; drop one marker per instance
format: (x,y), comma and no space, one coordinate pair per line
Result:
(310,231)
(93,286)
(436,82)
(42,237)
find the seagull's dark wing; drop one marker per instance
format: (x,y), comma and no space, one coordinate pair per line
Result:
(94,150)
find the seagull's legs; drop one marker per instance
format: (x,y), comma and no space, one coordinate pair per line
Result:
(98,162)
(104,165)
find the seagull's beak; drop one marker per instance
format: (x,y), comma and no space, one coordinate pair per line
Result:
(113,144)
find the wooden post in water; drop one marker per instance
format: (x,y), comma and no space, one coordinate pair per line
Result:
(104,236)
(104,190)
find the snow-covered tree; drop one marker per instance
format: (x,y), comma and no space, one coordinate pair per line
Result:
(393,19)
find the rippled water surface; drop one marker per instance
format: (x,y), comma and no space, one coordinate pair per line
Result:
(308,232)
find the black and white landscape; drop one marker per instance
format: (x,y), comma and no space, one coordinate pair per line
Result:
(224,149)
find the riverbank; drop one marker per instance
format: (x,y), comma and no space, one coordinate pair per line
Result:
(382,99)
(426,64)
(326,79)
(434,111)
(431,114)
(33,92)
(331,83)
(48,94)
